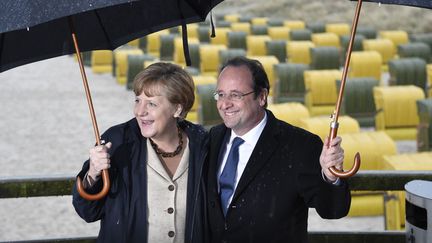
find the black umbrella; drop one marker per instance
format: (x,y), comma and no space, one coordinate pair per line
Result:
(33,30)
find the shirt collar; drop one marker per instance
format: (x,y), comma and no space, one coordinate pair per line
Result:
(251,137)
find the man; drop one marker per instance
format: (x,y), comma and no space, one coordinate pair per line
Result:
(263,173)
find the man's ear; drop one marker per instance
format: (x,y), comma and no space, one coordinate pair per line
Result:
(263,97)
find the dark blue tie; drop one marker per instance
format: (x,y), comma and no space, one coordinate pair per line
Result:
(228,175)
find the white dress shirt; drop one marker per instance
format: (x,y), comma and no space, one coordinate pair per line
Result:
(245,150)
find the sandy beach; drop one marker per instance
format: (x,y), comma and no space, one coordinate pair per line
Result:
(45,129)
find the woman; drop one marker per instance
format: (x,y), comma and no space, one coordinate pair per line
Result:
(155,164)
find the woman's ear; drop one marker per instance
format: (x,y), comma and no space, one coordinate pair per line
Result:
(178,111)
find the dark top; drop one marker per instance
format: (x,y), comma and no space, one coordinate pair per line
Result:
(280,182)
(123,212)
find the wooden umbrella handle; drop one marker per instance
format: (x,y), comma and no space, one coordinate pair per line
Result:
(105,174)
(349,173)
(357,159)
(98,196)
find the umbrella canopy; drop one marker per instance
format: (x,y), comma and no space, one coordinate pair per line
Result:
(413,3)
(33,30)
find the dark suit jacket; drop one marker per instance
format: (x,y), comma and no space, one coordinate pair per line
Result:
(280,182)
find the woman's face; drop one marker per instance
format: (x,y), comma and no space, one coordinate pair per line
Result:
(156,116)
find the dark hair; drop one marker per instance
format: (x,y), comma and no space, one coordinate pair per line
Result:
(259,76)
(169,80)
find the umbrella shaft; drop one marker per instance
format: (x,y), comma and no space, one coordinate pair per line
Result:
(85,83)
(347,60)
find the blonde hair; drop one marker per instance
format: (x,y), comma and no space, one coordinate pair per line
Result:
(169,80)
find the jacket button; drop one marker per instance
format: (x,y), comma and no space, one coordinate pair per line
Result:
(170,210)
(171,187)
(171,234)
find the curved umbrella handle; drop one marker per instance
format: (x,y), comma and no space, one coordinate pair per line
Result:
(98,196)
(357,159)
(349,173)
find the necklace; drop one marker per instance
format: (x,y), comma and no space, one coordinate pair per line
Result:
(169,154)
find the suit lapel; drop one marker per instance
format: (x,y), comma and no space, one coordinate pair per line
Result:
(265,147)
(217,135)
(217,147)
